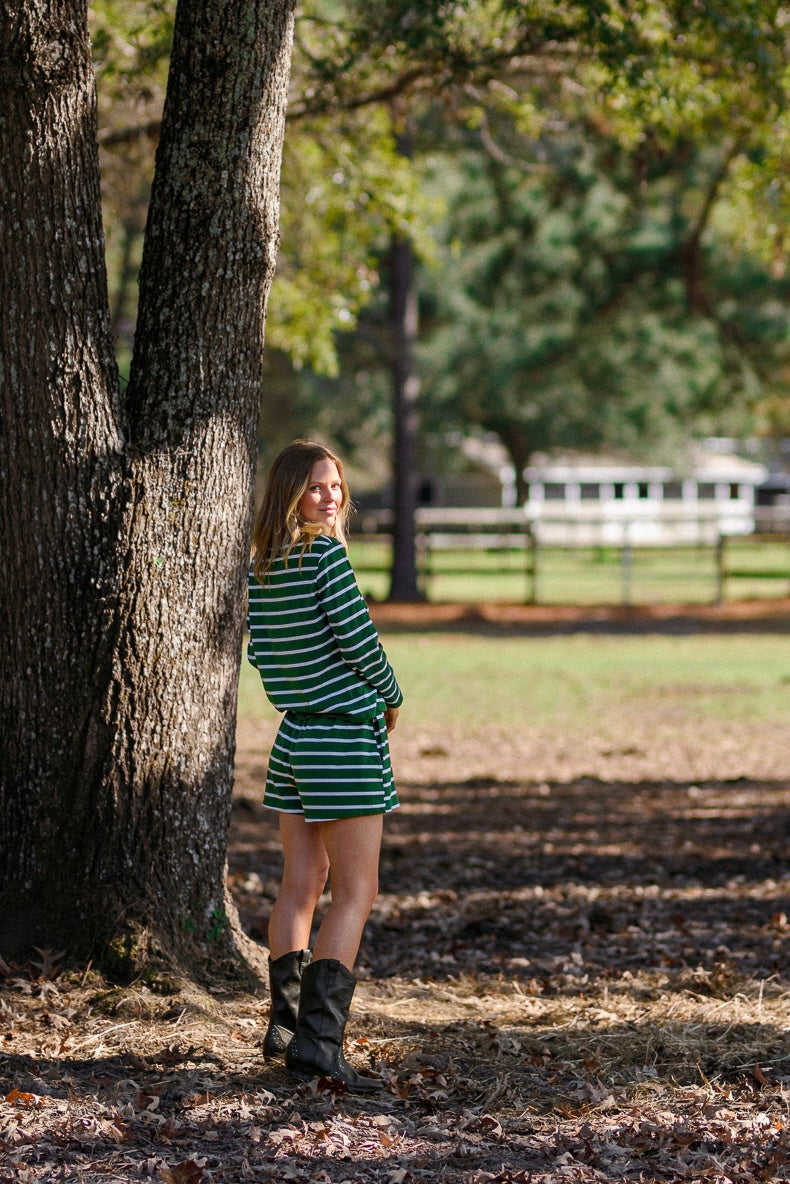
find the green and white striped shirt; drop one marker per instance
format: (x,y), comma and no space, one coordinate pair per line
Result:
(312,639)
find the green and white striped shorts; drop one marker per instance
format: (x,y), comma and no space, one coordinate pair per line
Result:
(330,766)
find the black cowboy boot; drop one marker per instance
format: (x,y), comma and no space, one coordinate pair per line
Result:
(285,977)
(317,1047)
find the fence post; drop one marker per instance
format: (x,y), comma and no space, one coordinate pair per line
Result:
(424,573)
(626,563)
(532,564)
(721,567)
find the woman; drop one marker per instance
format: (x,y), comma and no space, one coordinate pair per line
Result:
(330,775)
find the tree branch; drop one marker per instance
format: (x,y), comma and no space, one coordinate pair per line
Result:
(691,249)
(109,137)
(433,75)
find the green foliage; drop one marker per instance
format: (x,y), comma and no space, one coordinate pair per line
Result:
(579,305)
(219,923)
(654,79)
(359,53)
(345,191)
(131,46)
(755,207)
(709,63)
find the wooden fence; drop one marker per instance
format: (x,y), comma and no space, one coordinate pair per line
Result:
(451,542)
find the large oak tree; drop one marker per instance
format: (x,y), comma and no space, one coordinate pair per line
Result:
(125,513)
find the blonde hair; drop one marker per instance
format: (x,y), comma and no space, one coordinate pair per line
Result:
(279,527)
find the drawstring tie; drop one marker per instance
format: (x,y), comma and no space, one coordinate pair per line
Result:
(378,722)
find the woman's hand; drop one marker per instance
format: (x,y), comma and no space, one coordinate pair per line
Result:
(391,717)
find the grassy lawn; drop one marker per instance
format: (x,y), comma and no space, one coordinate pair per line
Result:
(548,679)
(551,678)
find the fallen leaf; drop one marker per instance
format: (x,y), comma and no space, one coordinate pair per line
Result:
(18,1097)
(188,1172)
(492,1125)
(48,967)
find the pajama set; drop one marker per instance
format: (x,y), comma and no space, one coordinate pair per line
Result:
(321,662)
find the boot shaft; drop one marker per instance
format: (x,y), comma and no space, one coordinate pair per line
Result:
(285,978)
(317,1046)
(324,1000)
(285,981)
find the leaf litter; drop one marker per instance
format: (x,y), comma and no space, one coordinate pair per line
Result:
(563,981)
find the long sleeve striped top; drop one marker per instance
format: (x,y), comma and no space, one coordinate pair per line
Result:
(312,639)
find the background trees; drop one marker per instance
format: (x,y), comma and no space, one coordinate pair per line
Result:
(635,302)
(656,77)
(639,84)
(582,301)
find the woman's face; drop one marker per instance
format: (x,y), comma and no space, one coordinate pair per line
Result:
(324,494)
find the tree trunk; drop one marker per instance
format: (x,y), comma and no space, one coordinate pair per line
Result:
(61,465)
(519,451)
(405,396)
(117,776)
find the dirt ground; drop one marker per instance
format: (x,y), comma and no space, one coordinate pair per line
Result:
(577,976)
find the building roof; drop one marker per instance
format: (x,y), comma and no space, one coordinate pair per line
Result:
(701,463)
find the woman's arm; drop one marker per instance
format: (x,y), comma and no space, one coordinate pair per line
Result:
(354,632)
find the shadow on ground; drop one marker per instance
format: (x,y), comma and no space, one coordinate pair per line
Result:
(487,877)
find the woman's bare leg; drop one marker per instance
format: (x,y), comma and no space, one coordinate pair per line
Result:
(353,846)
(305,870)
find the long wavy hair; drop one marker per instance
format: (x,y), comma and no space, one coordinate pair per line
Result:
(279,527)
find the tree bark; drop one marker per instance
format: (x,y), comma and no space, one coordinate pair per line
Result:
(519,451)
(405,395)
(117,776)
(61,460)
(404,322)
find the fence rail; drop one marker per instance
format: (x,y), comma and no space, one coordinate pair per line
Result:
(485,547)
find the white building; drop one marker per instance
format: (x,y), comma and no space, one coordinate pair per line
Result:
(590,501)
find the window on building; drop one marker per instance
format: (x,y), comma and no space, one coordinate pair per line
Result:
(619,490)
(590,491)
(554,491)
(735,491)
(672,491)
(706,491)
(643,490)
